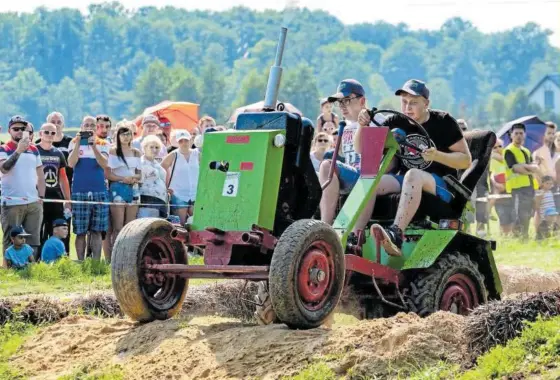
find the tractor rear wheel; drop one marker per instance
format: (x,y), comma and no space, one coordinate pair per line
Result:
(306,274)
(143,296)
(453,283)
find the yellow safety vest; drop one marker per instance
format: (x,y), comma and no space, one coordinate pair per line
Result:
(515,180)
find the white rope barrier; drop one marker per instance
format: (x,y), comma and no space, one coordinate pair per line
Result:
(47,200)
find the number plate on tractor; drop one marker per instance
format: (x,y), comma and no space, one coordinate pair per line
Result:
(231,185)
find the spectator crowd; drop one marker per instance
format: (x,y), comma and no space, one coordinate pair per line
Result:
(109,174)
(92,184)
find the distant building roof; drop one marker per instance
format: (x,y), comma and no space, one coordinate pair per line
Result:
(555,78)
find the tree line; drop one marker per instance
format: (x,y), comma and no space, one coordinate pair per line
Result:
(117,61)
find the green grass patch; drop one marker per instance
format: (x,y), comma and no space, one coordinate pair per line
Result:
(316,371)
(92,373)
(544,255)
(12,336)
(64,275)
(535,352)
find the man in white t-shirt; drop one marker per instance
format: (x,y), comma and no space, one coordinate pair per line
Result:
(23,184)
(351,99)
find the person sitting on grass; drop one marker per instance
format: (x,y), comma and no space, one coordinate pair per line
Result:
(19,254)
(54,247)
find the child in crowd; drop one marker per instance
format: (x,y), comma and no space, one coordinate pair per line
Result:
(326,115)
(19,254)
(544,203)
(54,248)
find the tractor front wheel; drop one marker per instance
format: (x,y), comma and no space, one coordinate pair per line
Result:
(454,283)
(145,296)
(306,274)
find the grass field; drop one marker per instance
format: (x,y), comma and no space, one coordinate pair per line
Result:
(42,279)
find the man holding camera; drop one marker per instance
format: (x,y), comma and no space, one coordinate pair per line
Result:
(89,157)
(23,184)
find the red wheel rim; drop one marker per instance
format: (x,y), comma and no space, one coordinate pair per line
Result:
(460,295)
(159,295)
(315,275)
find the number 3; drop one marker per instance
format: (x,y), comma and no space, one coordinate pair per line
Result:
(230,189)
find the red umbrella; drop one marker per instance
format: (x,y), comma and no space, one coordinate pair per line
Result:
(181,115)
(256,107)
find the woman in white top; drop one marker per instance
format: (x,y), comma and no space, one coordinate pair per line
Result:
(321,143)
(123,172)
(153,191)
(182,166)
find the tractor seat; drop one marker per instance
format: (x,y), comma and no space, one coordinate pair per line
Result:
(480,145)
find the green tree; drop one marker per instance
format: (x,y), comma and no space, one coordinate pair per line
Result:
(211,92)
(153,86)
(379,89)
(403,60)
(496,108)
(184,85)
(27,91)
(441,95)
(300,89)
(67,98)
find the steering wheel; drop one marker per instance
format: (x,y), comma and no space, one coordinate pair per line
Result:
(412,149)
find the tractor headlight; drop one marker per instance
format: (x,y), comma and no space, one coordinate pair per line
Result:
(279,140)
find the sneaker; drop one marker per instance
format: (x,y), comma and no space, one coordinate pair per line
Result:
(391,239)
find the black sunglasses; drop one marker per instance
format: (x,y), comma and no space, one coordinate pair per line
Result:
(322,141)
(19,129)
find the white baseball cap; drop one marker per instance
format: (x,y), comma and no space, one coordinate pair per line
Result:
(182,134)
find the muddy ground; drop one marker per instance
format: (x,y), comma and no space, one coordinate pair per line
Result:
(215,347)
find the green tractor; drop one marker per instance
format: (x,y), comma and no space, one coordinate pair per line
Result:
(253,219)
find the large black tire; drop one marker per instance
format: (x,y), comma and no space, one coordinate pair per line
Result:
(453,283)
(140,301)
(306,274)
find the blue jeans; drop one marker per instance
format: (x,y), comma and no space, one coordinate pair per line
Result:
(441,186)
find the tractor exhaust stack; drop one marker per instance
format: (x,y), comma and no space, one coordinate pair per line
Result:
(273,86)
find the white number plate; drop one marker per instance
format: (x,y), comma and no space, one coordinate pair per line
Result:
(230,185)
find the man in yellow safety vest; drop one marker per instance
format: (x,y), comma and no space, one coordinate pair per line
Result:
(521,181)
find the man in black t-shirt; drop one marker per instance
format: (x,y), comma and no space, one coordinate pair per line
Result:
(419,171)
(57,184)
(61,141)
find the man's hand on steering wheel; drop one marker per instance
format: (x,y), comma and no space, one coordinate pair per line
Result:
(364,118)
(430,154)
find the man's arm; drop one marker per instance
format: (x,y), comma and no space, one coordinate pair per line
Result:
(74,153)
(458,158)
(101,158)
(519,168)
(41,184)
(8,164)
(64,184)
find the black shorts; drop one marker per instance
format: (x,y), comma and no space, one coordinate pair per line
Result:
(505,211)
(481,209)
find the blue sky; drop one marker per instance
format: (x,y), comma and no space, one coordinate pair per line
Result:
(487,15)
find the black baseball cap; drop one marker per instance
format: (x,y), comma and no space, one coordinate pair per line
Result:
(346,88)
(18,231)
(59,223)
(17,119)
(414,87)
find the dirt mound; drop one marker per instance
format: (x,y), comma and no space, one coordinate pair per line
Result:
(527,280)
(215,347)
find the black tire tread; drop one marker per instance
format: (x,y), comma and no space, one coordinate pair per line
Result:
(426,285)
(125,273)
(283,273)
